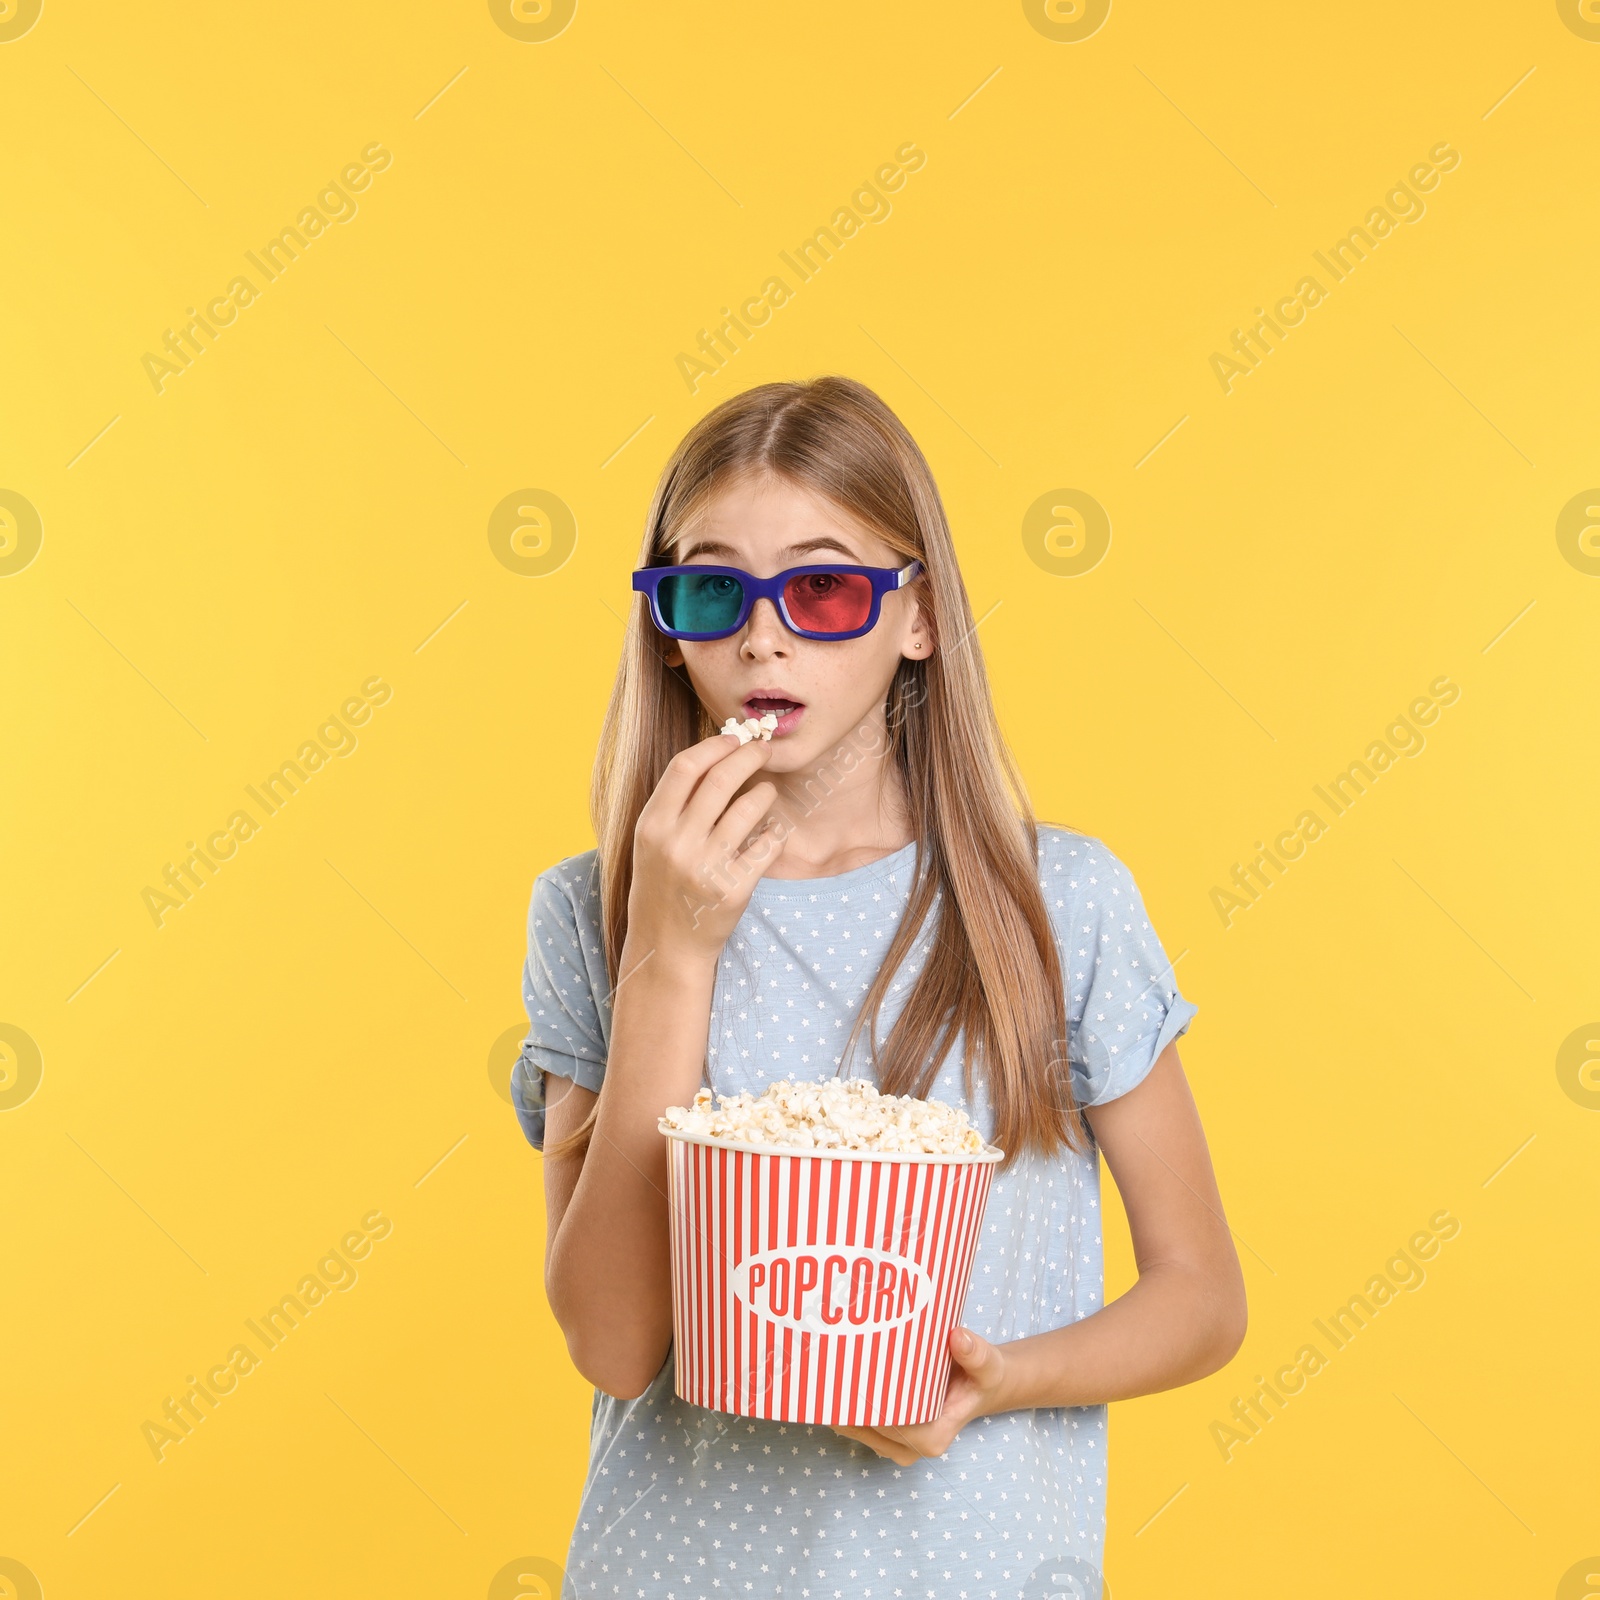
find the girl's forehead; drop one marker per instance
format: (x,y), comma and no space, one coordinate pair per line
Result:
(774,516)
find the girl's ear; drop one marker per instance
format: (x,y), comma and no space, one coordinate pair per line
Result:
(671,650)
(919,643)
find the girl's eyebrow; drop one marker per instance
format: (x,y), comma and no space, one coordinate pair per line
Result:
(715,547)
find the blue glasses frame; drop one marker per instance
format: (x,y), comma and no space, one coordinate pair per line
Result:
(648,581)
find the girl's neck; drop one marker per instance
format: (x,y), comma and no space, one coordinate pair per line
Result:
(836,820)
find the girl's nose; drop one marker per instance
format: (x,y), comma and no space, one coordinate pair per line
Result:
(764,631)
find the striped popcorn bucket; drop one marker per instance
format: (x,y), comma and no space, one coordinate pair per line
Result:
(819,1287)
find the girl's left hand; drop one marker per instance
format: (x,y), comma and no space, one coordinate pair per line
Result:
(975,1389)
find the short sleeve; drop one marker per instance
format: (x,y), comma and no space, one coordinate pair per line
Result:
(1123,1006)
(564,986)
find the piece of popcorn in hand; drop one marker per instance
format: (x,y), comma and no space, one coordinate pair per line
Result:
(752,727)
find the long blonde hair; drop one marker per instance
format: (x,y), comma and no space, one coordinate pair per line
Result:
(993,972)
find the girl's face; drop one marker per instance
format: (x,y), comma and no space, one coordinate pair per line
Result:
(766,524)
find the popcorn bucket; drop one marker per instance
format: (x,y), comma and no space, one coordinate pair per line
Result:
(819,1286)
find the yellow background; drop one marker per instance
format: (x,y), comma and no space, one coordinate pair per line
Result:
(310,1037)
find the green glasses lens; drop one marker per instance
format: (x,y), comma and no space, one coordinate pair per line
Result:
(694,604)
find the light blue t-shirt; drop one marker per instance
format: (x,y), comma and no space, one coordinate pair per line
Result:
(682,1502)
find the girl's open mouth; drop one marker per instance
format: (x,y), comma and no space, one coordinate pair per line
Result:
(789,712)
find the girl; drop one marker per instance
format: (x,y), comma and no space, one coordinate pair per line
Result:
(752,912)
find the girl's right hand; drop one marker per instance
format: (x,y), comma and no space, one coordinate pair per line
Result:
(694,864)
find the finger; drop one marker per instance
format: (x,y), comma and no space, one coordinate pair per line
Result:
(734,828)
(685,770)
(893,1450)
(903,1455)
(764,849)
(736,857)
(880,1439)
(718,784)
(976,1357)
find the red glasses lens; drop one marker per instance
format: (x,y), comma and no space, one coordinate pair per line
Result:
(829,602)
